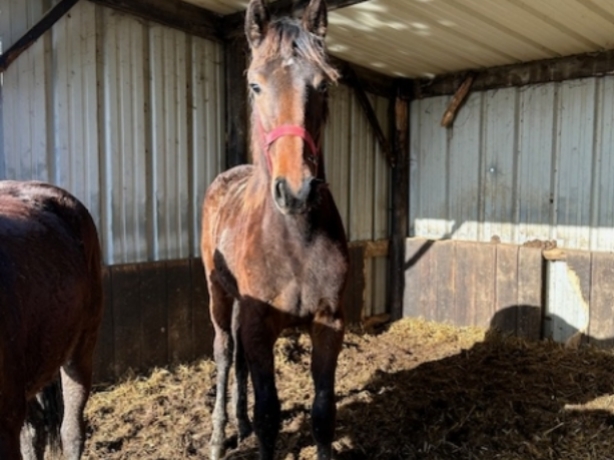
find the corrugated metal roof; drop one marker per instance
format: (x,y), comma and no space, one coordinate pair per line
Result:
(417,38)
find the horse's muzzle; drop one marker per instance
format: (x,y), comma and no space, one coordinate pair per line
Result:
(289,202)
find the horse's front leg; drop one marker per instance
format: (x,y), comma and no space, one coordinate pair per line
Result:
(221,315)
(259,331)
(327,336)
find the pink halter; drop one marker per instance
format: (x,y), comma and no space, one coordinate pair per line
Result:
(287,130)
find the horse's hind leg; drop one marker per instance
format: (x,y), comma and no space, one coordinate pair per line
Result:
(221,316)
(76,385)
(241,374)
(327,337)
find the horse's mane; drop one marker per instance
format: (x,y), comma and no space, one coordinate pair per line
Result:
(286,38)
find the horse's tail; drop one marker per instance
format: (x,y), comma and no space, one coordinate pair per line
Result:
(43,421)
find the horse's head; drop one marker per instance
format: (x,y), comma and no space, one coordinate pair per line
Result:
(288,79)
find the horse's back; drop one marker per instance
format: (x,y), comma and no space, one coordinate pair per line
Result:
(50,278)
(222,201)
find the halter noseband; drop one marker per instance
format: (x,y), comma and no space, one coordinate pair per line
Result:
(268,138)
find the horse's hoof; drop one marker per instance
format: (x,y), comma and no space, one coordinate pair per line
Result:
(217,452)
(325,452)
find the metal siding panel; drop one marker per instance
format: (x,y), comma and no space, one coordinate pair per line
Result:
(208,123)
(76,107)
(415,136)
(170,149)
(464,167)
(381,176)
(126,196)
(380,212)
(545,171)
(574,162)
(431,174)
(535,147)
(602,220)
(498,168)
(52,131)
(361,174)
(337,149)
(25,115)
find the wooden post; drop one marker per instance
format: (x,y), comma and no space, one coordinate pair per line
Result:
(399,107)
(237,144)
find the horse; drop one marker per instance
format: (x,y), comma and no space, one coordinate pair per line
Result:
(50,310)
(273,243)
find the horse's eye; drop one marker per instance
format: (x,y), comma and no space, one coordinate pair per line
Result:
(255,87)
(322,87)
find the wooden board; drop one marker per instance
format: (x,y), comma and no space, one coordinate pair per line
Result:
(530,292)
(506,289)
(179,311)
(104,356)
(202,328)
(353,296)
(485,270)
(466,284)
(152,286)
(127,326)
(443,266)
(601,323)
(419,298)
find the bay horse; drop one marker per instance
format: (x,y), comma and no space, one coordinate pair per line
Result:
(273,243)
(50,309)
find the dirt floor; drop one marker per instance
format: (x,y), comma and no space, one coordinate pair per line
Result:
(418,390)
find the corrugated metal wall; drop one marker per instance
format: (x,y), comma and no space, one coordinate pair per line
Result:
(126,114)
(519,164)
(359,179)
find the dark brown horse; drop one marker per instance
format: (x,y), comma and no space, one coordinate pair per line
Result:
(50,307)
(272,238)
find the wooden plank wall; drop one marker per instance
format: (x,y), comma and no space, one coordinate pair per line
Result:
(504,286)
(156,313)
(475,284)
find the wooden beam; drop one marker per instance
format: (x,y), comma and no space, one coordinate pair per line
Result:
(36,31)
(233,23)
(544,71)
(172,13)
(456,102)
(235,66)
(365,103)
(399,127)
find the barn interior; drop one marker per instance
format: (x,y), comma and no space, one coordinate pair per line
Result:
(470,152)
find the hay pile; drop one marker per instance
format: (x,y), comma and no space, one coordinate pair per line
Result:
(418,390)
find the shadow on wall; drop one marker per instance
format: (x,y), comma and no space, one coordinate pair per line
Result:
(529,321)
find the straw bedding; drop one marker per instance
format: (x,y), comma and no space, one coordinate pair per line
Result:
(417,390)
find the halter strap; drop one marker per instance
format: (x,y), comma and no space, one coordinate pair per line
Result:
(268,138)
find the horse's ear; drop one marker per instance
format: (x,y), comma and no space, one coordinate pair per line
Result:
(315,18)
(256,22)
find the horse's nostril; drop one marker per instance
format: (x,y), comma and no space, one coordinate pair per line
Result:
(279,188)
